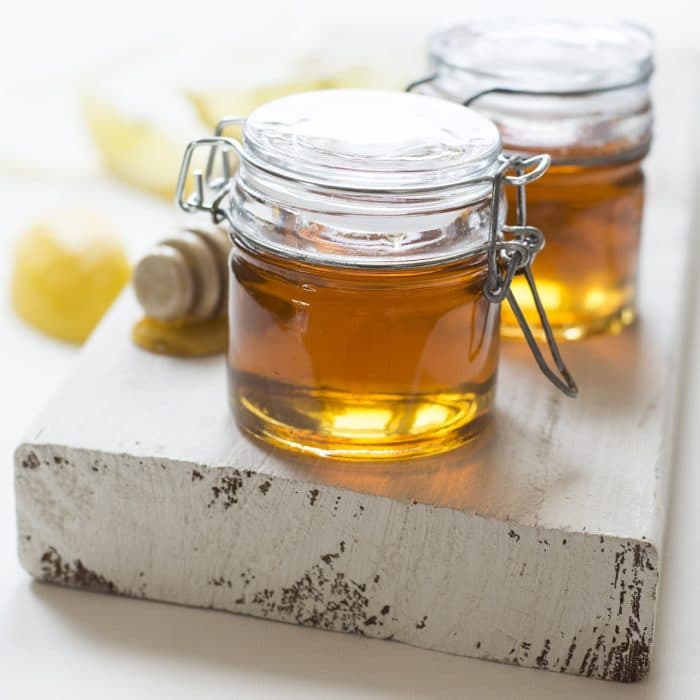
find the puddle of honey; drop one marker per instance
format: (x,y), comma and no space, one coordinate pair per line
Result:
(182,338)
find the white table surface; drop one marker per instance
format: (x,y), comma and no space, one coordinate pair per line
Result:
(62,643)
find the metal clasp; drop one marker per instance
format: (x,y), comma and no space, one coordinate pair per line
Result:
(209,190)
(514,255)
(504,90)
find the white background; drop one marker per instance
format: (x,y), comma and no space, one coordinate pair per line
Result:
(62,643)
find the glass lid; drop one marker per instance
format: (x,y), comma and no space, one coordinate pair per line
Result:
(366,178)
(547,54)
(370,140)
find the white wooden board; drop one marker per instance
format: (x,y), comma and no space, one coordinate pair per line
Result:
(538,545)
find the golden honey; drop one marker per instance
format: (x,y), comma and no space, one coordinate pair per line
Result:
(360,363)
(185,338)
(587,271)
(579,91)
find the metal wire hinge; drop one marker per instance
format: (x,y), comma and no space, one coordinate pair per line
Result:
(510,256)
(209,190)
(505,90)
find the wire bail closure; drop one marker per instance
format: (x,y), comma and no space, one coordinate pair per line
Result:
(505,90)
(218,186)
(510,249)
(508,257)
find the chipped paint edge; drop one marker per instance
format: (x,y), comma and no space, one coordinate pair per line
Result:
(329,593)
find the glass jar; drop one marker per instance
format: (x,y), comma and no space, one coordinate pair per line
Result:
(369,260)
(580,92)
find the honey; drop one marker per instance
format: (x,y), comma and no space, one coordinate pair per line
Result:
(587,271)
(360,363)
(184,338)
(578,91)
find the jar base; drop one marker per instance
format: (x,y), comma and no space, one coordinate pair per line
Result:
(353,427)
(612,324)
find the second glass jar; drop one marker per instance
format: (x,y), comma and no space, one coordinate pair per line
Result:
(580,92)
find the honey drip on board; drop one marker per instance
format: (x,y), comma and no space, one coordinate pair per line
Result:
(586,273)
(360,363)
(182,338)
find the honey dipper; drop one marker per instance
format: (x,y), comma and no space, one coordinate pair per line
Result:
(184,276)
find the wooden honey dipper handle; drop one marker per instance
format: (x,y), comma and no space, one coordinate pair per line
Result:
(184,276)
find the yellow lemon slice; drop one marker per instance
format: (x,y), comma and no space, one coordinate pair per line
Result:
(143,151)
(233,100)
(68,269)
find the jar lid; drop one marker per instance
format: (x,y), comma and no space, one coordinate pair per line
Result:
(370,140)
(356,177)
(547,54)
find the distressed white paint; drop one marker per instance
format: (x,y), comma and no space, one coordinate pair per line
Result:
(530,546)
(537,545)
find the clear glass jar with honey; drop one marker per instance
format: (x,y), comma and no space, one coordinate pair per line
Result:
(369,261)
(580,92)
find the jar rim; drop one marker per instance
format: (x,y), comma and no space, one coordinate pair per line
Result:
(373,141)
(546,54)
(461,256)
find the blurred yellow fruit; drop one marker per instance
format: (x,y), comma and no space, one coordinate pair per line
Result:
(144,109)
(142,152)
(229,100)
(68,269)
(218,102)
